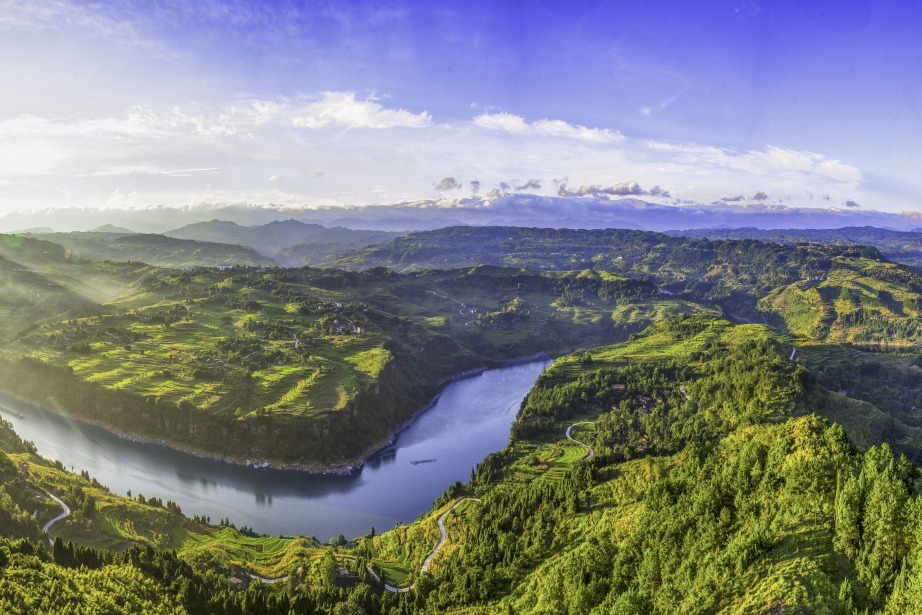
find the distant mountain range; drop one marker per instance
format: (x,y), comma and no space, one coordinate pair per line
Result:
(151,249)
(525,210)
(289,242)
(899,246)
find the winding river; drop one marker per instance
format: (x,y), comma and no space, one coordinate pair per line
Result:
(470,419)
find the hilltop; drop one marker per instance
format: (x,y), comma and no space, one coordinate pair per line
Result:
(115,245)
(842,293)
(315,368)
(899,246)
(691,468)
(304,367)
(289,242)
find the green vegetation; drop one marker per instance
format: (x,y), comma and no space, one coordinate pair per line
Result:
(290,243)
(899,246)
(714,487)
(734,498)
(303,367)
(729,474)
(152,249)
(825,292)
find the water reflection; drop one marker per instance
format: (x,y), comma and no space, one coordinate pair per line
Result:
(470,419)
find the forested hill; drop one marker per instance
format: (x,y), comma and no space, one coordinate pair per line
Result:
(662,256)
(711,487)
(899,246)
(841,293)
(304,367)
(690,469)
(152,249)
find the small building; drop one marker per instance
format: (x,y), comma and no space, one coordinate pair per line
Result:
(238,580)
(345,578)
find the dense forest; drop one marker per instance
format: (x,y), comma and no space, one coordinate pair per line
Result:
(715,484)
(679,459)
(899,246)
(837,292)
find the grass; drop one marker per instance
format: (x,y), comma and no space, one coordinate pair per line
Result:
(307,346)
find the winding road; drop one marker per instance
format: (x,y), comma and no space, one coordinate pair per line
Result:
(267,580)
(590,452)
(63,515)
(443,536)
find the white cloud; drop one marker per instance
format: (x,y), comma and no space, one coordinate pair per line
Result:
(502,121)
(343,109)
(161,155)
(149,169)
(553,128)
(769,161)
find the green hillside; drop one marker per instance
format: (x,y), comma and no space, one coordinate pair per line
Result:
(899,246)
(152,249)
(40,280)
(303,367)
(842,293)
(291,243)
(690,469)
(712,488)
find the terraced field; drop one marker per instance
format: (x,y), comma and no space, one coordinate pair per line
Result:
(315,366)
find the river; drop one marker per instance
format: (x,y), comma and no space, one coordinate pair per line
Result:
(469,420)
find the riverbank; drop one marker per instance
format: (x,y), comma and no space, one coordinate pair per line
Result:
(347,467)
(392,438)
(470,420)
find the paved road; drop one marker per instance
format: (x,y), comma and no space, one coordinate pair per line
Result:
(443,536)
(591,452)
(267,580)
(63,515)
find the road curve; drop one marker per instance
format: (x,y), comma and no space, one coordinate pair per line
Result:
(590,452)
(63,515)
(443,536)
(267,580)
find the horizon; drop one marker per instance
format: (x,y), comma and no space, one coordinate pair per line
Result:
(795,105)
(517,209)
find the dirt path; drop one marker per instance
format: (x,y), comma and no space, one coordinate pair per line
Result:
(590,452)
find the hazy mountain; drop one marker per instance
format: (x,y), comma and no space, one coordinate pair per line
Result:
(899,246)
(290,242)
(509,210)
(107,228)
(152,249)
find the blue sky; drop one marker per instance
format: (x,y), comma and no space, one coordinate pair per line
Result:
(135,104)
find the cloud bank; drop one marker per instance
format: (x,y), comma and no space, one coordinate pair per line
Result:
(342,148)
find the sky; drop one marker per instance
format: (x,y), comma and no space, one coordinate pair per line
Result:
(170,103)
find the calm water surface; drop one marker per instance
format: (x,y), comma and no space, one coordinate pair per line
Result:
(471,419)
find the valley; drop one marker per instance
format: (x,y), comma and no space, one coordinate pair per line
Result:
(736,404)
